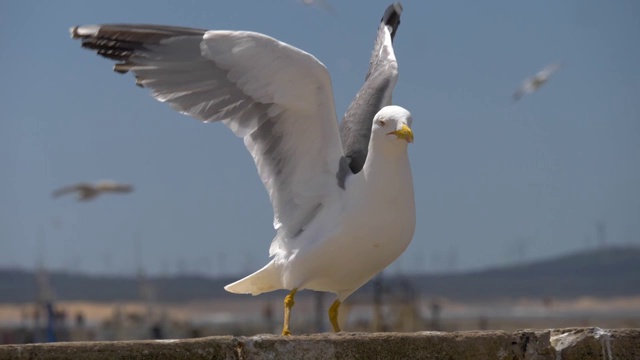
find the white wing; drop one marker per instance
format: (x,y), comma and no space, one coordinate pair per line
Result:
(548,70)
(275,96)
(525,88)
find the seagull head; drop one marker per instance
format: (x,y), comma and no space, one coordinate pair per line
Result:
(392,124)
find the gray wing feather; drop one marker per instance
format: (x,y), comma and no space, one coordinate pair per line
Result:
(355,129)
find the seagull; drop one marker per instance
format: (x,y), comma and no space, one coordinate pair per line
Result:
(324,4)
(532,84)
(335,228)
(88,191)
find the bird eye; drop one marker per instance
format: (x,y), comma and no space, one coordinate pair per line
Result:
(381,123)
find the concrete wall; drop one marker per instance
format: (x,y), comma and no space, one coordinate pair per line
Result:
(557,344)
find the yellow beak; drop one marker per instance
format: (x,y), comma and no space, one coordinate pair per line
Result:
(405,133)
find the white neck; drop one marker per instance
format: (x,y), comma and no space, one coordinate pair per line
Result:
(388,156)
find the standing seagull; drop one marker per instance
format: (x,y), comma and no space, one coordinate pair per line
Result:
(533,83)
(335,229)
(89,191)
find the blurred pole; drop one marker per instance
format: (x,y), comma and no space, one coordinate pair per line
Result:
(51,322)
(483,323)
(319,320)
(435,316)
(601,231)
(267,315)
(378,318)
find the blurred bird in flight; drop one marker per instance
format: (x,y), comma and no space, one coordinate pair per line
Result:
(88,191)
(534,83)
(324,4)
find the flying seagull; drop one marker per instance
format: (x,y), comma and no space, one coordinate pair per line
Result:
(532,84)
(88,191)
(335,229)
(324,4)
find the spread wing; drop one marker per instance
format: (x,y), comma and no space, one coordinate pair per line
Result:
(525,88)
(548,70)
(69,189)
(355,129)
(109,186)
(275,96)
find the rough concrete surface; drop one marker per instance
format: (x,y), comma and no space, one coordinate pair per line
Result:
(555,344)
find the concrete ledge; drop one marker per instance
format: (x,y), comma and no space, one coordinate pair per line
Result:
(564,344)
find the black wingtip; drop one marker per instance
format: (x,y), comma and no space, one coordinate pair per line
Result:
(74,32)
(391,17)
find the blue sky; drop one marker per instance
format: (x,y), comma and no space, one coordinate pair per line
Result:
(489,175)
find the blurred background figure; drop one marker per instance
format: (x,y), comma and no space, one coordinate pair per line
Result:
(86,191)
(532,84)
(323,4)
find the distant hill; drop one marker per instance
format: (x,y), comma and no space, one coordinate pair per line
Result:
(601,273)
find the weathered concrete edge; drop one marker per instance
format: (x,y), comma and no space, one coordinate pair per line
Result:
(553,344)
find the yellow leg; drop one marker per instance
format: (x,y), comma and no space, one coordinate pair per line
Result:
(333,315)
(288,304)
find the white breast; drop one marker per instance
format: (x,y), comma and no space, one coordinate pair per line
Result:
(377,224)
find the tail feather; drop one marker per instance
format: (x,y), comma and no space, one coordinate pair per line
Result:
(264,280)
